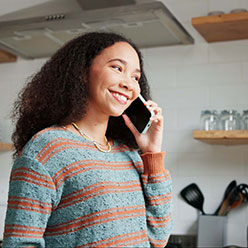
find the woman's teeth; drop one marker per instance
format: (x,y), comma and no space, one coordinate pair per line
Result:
(120,97)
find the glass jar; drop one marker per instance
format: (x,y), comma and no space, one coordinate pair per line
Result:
(230,120)
(245,119)
(209,120)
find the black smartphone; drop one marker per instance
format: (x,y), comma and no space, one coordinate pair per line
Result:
(139,114)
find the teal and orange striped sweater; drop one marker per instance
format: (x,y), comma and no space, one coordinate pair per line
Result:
(65,193)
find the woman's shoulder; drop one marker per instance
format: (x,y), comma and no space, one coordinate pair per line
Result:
(45,138)
(48,133)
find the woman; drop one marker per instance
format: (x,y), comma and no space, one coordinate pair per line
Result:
(78,179)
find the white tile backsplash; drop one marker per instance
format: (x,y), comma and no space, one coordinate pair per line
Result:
(174,141)
(185,97)
(3,191)
(171,163)
(177,55)
(209,74)
(185,10)
(165,75)
(2,219)
(171,116)
(230,97)
(189,119)
(228,51)
(246,163)
(245,72)
(211,163)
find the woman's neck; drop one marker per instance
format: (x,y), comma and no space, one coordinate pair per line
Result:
(93,128)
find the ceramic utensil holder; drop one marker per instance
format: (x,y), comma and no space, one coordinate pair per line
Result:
(211,231)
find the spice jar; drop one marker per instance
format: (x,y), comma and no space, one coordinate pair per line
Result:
(245,119)
(230,120)
(209,120)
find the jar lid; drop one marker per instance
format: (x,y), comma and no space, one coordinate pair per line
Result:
(215,13)
(232,111)
(238,10)
(224,112)
(205,112)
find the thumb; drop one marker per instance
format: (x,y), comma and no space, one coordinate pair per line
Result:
(130,125)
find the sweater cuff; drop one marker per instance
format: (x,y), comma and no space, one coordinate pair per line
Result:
(153,162)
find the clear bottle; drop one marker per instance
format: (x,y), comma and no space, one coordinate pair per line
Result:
(230,120)
(209,120)
(245,119)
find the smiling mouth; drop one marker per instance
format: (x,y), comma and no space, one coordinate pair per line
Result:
(119,97)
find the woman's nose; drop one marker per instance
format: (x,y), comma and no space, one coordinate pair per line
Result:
(126,84)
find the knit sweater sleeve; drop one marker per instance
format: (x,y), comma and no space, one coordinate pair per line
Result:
(157,187)
(31,191)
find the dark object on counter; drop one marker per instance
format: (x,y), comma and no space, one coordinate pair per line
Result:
(182,241)
(232,246)
(229,188)
(193,196)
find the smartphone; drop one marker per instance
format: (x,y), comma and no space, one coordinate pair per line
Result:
(139,114)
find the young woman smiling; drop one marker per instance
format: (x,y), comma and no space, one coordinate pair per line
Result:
(83,176)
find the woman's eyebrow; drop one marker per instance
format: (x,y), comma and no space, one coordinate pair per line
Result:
(123,62)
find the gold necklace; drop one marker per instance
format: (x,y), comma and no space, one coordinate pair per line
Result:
(97,144)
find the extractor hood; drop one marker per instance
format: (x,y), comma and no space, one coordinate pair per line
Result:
(38,31)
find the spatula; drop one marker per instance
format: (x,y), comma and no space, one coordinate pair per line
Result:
(193,196)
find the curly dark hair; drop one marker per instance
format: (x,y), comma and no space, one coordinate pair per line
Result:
(58,93)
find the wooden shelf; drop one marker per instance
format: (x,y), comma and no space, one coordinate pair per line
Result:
(224,27)
(7,57)
(6,146)
(221,137)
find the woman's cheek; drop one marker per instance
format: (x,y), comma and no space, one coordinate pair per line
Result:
(138,90)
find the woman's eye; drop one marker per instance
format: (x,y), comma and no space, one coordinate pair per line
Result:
(136,78)
(116,67)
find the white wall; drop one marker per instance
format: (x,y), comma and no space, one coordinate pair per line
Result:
(184,80)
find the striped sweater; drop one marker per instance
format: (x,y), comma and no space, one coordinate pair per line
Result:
(64,192)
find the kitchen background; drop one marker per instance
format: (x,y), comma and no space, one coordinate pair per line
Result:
(184,80)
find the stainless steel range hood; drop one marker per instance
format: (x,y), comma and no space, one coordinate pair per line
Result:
(39,31)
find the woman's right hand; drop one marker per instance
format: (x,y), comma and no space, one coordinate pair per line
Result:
(151,141)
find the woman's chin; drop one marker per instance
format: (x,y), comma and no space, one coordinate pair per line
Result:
(117,113)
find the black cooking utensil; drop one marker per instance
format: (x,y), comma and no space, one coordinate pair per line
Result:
(193,196)
(229,188)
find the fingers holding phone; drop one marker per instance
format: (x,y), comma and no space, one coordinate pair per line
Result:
(145,121)
(139,114)
(152,106)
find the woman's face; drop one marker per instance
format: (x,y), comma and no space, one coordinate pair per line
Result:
(113,80)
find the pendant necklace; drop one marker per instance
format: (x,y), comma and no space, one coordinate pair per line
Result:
(97,144)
